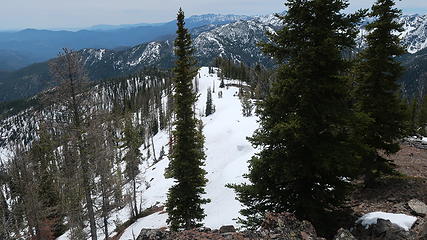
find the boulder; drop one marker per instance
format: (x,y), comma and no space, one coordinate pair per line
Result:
(152,234)
(417,207)
(382,230)
(227,229)
(287,226)
(422,235)
(344,234)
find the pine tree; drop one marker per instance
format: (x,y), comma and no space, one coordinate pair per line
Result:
(306,137)
(162,117)
(187,156)
(247,105)
(132,159)
(413,116)
(222,85)
(377,74)
(209,106)
(422,117)
(43,157)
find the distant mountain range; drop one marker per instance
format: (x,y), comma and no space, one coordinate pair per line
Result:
(193,20)
(19,49)
(236,40)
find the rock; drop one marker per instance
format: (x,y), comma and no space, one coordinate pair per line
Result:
(275,226)
(152,234)
(287,226)
(417,207)
(227,229)
(423,234)
(382,230)
(344,234)
(204,229)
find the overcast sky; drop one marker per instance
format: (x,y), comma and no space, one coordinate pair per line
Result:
(19,14)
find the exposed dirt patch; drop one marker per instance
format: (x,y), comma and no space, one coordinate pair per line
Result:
(411,161)
(392,194)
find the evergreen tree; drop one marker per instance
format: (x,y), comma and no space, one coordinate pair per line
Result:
(307,138)
(162,117)
(43,157)
(132,159)
(377,74)
(187,156)
(413,116)
(247,105)
(222,85)
(422,117)
(209,106)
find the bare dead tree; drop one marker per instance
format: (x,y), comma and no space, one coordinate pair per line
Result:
(72,98)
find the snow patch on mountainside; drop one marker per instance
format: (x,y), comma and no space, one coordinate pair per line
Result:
(415,32)
(150,54)
(100,54)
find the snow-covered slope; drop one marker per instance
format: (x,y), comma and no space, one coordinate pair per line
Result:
(415,32)
(227,151)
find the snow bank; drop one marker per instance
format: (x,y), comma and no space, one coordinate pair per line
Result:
(153,221)
(402,220)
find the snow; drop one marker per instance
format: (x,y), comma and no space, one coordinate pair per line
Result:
(153,221)
(150,54)
(404,221)
(227,151)
(99,54)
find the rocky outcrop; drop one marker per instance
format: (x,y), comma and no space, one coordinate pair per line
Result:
(227,229)
(275,226)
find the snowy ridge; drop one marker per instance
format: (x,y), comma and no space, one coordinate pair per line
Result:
(236,40)
(150,54)
(215,18)
(414,35)
(415,32)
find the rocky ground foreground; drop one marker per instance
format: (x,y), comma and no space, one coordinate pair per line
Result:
(405,194)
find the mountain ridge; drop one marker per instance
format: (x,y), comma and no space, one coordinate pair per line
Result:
(236,41)
(41,45)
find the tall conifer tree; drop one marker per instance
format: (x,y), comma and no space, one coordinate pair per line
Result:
(307,136)
(185,200)
(209,105)
(46,173)
(377,74)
